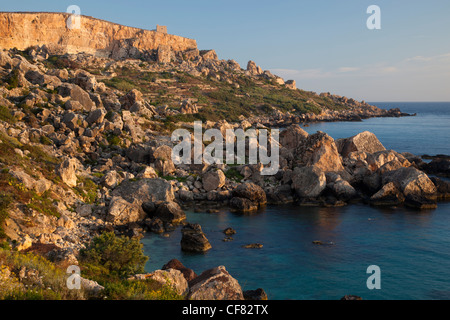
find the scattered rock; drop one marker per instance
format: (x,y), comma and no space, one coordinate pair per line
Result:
(193,239)
(215,284)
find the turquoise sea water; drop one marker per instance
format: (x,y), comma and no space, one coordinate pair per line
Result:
(410,247)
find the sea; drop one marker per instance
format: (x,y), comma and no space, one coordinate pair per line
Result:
(410,248)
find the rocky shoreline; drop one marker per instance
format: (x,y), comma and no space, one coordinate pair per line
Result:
(79,158)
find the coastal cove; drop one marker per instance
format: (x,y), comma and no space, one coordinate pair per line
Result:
(408,245)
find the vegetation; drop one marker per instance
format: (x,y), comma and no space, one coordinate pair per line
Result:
(5,115)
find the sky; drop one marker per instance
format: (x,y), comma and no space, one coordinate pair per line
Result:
(324,45)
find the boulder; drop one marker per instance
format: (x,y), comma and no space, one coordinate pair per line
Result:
(258,294)
(187,107)
(170,212)
(169,277)
(438,166)
(365,141)
(188,274)
(308,182)
(111,180)
(388,195)
(143,190)
(165,54)
(212,180)
(76,93)
(122,212)
(128,100)
(193,239)
(343,190)
(67,171)
(215,284)
(96,116)
(250,191)
(292,136)
(209,55)
(410,181)
(291,84)
(243,205)
(442,187)
(85,80)
(320,150)
(253,69)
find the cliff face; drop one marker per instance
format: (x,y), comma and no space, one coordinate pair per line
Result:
(98,37)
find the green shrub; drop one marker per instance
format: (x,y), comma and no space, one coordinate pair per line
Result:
(120,256)
(6,115)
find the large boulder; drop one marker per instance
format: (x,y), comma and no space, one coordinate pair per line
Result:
(388,195)
(144,190)
(76,93)
(308,182)
(365,141)
(213,180)
(319,150)
(169,212)
(67,171)
(253,69)
(410,181)
(121,212)
(169,277)
(215,284)
(292,136)
(193,239)
(248,197)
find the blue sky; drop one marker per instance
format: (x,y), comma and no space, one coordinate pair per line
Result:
(324,44)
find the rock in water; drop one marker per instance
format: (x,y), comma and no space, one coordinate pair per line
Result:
(193,239)
(365,141)
(215,284)
(308,182)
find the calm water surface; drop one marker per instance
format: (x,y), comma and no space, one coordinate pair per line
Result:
(412,248)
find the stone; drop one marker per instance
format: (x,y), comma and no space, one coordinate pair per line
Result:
(132,97)
(85,80)
(308,182)
(365,141)
(92,287)
(111,179)
(292,136)
(388,195)
(343,190)
(291,84)
(209,55)
(411,181)
(148,173)
(229,231)
(24,243)
(85,210)
(169,212)
(215,284)
(258,294)
(121,212)
(252,192)
(76,93)
(67,171)
(188,274)
(193,239)
(351,297)
(320,150)
(253,69)
(164,54)
(96,116)
(253,246)
(187,107)
(213,180)
(243,205)
(143,190)
(169,277)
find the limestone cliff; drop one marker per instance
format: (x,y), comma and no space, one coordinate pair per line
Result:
(102,38)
